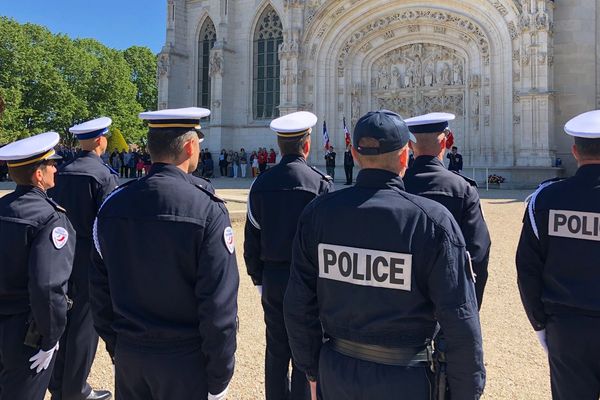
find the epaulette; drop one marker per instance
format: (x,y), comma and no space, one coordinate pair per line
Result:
(123,185)
(56,205)
(213,196)
(553,180)
(112,171)
(323,175)
(531,203)
(469,180)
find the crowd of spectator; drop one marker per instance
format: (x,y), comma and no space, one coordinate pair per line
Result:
(129,164)
(235,164)
(136,163)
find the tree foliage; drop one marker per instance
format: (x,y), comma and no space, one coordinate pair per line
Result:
(116,141)
(51,82)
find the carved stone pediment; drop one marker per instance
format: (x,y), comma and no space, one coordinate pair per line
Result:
(420,78)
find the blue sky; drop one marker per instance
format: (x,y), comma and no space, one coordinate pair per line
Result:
(116,23)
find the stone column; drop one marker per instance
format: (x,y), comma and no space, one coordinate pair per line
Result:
(534,100)
(173,58)
(289,51)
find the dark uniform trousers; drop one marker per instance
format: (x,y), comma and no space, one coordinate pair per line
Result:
(77,351)
(574,356)
(17,381)
(166,372)
(347,378)
(278,353)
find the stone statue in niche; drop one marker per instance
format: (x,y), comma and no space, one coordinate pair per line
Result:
(216,64)
(395,78)
(164,64)
(409,78)
(475,104)
(458,73)
(445,75)
(355,105)
(429,72)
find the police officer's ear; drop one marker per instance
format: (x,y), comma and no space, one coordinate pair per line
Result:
(404,158)
(575,152)
(306,146)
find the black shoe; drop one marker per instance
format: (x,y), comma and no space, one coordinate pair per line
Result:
(99,395)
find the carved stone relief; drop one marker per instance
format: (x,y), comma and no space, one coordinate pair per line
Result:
(413,18)
(216,64)
(419,78)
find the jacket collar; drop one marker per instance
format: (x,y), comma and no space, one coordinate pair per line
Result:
(590,171)
(169,170)
(378,178)
(22,189)
(289,158)
(423,161)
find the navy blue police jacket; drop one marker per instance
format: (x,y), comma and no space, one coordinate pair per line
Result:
(36,257)
(376,265)
(558,252)
(429,178)
(81,187)
(276,199)
(165,273)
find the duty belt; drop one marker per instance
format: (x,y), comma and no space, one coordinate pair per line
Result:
(395,356)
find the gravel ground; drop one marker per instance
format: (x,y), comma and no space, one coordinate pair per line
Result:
(516,365)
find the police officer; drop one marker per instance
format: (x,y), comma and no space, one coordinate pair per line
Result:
(376,269)
(429,178)
(81,187)
(557,266)
(37,244)
(165,280)
(276,199)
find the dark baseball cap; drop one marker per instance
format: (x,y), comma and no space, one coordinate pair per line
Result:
(385,126)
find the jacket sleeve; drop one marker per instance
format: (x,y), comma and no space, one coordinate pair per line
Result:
(50,267)
(530,262)
(452,292)
(254,264)
(300,306)
(216,289)
(100,300)
(477,239)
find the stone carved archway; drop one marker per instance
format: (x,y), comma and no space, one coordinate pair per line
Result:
(345,44)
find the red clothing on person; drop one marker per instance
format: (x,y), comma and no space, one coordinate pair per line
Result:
(272,157)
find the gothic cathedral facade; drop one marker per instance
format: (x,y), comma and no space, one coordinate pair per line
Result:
(513,71)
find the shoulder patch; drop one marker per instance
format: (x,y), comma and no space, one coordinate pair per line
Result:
(210,194)
(323,175)
(60,236)
(469,180)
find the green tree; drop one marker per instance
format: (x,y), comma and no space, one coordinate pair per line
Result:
(50,82)
(116,141)
(142,62)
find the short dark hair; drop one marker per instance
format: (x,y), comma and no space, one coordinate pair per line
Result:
(293,145)
(24,175)
(588,148)
(454,148)
(167,143)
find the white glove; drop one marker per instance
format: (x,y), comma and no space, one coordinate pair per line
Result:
(259,288)
(220,396)
(42,359)
(542,339)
